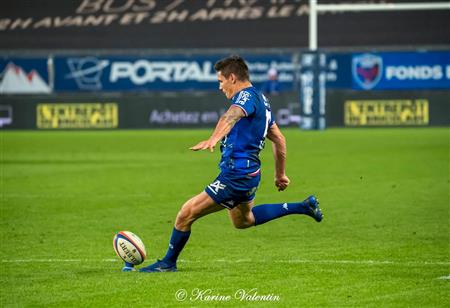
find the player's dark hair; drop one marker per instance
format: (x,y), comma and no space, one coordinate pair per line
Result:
(233,65)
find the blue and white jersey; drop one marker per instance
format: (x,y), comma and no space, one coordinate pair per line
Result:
(240,148)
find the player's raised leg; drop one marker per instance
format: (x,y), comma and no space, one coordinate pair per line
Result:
(193,209)
(246,215)
(267,212)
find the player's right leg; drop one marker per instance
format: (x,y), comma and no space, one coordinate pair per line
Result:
(245,215)
(242,216)
(193,209)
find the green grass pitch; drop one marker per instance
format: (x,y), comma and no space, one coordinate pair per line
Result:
(384,241)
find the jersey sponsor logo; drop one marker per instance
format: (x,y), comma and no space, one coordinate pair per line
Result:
(243,97)
(367,70)
(216,186)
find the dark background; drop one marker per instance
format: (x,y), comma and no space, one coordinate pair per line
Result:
(367,29)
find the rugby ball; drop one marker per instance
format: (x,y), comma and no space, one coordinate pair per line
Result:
(129,247)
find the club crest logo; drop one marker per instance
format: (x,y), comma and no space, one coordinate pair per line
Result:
(367,70)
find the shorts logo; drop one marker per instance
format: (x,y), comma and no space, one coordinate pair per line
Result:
(216,186)
(229,204)
(367,70)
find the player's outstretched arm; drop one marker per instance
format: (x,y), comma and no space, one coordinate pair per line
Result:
(279,153)
(223,127)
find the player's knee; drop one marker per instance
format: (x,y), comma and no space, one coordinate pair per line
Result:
(183,219)
(186,216)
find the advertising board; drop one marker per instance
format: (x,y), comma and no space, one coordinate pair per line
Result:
(24,75)
(162,73)
(389,70)
(386,112)
(111,111)
(77,115)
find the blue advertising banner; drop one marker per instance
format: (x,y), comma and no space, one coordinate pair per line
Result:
(389,70)
(147,73)
(358,71)
(24,76)
(338,75)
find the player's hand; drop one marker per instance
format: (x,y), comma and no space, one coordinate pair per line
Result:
(204,145)
(282,182)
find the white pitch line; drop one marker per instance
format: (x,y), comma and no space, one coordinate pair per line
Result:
(294,261)
(57,260)
(444,277)
(361,262)
(365,262)
(32,196)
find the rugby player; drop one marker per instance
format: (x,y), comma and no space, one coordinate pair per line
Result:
(242,131)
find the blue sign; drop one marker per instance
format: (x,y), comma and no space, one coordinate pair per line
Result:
(24,76)
(389,70)
(401,70)
(337,69)
(160,72)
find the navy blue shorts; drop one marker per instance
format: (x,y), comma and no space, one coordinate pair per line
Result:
(229,190)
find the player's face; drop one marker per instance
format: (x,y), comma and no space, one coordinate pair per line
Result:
(226,85)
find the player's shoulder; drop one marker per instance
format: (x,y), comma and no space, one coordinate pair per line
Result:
(245,95)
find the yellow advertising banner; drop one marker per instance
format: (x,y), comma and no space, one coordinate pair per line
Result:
(402,112)
(77,116)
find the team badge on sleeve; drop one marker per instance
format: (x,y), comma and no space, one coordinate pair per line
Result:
(243,97)
(244,100)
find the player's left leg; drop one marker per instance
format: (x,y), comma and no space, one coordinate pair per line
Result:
(193,209)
